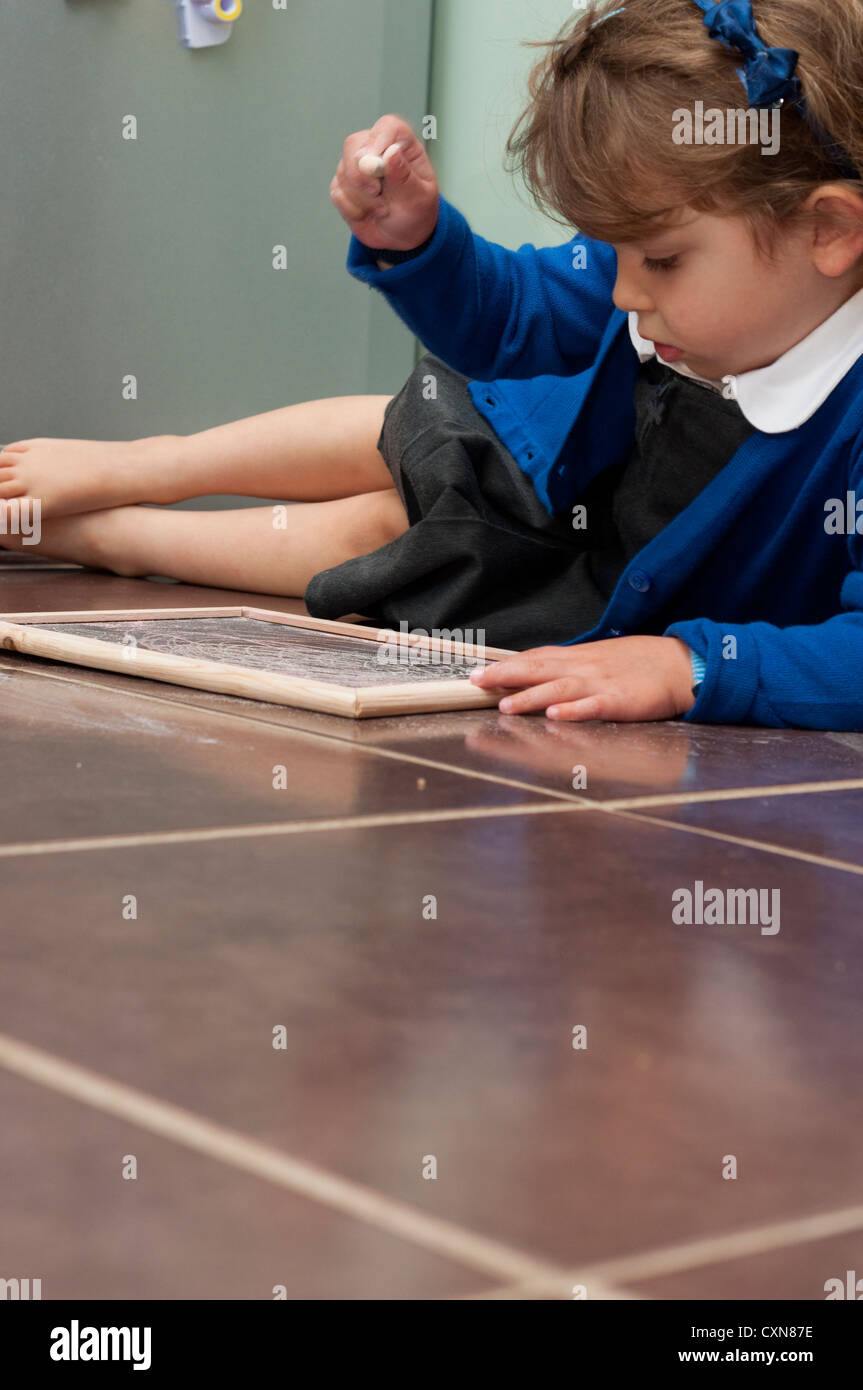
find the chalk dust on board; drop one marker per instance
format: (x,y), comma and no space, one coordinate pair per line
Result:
(273,647)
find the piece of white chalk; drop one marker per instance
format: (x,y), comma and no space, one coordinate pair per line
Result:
(375,165)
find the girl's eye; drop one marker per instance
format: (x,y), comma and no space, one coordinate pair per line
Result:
(668,264)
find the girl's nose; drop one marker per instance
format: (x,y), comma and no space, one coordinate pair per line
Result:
(629,295)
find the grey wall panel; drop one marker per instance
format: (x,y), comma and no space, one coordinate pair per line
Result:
(153,257)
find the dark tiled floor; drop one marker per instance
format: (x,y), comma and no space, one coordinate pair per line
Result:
(187,1226)
(412,1033)
(39,591)
(453,1036)
(803,1272)
(85,761)
(620,761)
(828,824)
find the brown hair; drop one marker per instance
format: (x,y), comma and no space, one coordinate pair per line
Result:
(596,150)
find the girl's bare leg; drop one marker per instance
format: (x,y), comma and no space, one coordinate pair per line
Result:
(240,549)
(323,449)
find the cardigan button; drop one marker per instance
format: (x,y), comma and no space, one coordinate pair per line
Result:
(640,581)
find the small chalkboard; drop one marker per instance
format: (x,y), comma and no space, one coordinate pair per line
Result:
(285,658)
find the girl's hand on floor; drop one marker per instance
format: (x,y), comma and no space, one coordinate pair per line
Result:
(400,211)
(631,679)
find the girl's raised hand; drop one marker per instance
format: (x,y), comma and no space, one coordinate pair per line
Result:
(399,211)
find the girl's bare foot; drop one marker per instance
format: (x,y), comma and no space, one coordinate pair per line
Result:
(314,451)
(84,475)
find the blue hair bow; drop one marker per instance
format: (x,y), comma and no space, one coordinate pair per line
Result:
(768,73)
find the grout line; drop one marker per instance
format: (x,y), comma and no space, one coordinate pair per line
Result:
(535,1278)
(676,1259)
(246,832)
(730,794)
(172,1122)
(766,846)
(263,830)
(611,804)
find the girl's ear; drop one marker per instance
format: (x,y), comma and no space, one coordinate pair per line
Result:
(838,239)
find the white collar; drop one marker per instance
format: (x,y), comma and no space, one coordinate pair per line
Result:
(787,393)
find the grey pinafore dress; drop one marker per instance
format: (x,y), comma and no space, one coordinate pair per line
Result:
(483,553)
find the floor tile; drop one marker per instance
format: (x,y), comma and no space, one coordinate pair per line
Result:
(26,591)
(794,1272)
(428,978)
(409,1035)
(592,761)
(187,1227)
(86,759)
(829,824)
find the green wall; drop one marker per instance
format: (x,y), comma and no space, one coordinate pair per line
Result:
(153,257)
(478,90)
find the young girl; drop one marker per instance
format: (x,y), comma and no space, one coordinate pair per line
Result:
(656,461)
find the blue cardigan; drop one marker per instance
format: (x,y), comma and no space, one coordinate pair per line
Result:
(760,589)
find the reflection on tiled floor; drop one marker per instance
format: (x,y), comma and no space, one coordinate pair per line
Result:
(828,824)
(419,920)
(185,1226)
(802,1272)
(85,761)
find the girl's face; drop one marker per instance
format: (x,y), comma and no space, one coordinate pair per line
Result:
(701,287)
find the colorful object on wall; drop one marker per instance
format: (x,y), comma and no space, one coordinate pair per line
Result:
(204,23)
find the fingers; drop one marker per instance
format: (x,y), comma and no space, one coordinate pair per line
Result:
(356,205)
(352,192)
(539,697)
(526,669)
(377,165)
(388,136)
(387,131)
(385,134)
(576,710)
(390,199)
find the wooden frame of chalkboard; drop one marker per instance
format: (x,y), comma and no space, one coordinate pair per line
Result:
(33,634)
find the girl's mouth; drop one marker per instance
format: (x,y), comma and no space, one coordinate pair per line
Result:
(667,353)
